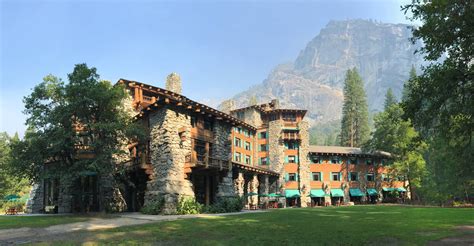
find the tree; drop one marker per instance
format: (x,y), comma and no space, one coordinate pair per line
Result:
(355,116)
(397,136)
(389,99)
(74,128)
(441,100)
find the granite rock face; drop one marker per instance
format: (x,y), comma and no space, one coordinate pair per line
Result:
(381,52)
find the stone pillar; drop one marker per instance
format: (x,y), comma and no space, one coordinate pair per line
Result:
(111,198)
(253,187)
(35,203)
(305,172)
(65,195)
(173,83)
(225,188)
(170,143)
(345,187)
(327,193)
(239,184)
(276,150)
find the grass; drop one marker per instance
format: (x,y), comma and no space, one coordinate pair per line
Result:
(358,225)
(10,222)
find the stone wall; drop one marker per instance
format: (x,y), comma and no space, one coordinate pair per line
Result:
(65,197)
(168,153)
(276,149)
(35,203)
(111,198)
(305,173)
(253,117)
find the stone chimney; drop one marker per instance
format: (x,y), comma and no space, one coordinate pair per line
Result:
(276,103)
(173,83)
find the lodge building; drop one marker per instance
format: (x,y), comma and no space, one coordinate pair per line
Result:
(193,150)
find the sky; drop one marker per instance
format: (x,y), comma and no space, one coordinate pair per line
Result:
(219,48)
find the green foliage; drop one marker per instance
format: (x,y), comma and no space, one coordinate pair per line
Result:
(355,115)
(19,205)
(225,205)
(84,116)
(325,133)
(397,136)
(389,99)
(441,100)
(188,205)
(153,206)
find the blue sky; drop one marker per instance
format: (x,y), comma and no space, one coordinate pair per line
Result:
(219,48)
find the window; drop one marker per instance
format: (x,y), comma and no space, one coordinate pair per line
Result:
(263,161)
(240,115)
(353,161)
(336,176)
(246,132)
(369,162)
(335,160)
(292,177)
(238,129)
(370,177)
(208,125)
(291,159)
(354,176)
(316,176)
(247,145)
(237,157)
(289,117)
(315,159)
(263,135)
(248,160)
(263,147)
(238,142)
(291,145)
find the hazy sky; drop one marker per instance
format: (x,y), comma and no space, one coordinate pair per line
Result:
(219,48)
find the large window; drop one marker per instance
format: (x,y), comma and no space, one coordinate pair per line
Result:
(238,142)
(247,145)
(263,161)
(316,176)
(289,116)
(292,177)
(291,159)
(262,135)
(263,147)
(354,176)
(291,145)
(248,160)
(370,177)
(237,157)
(336,176)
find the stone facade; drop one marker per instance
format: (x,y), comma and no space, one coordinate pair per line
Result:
(168,149)
(277,150)
(36,202)
(305,173)
(173,83)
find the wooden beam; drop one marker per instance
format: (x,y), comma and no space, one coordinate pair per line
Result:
(179,104)
(167,100)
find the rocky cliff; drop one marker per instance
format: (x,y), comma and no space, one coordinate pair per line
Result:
(381,52)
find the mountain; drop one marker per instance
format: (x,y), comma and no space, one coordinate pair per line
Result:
(381,52)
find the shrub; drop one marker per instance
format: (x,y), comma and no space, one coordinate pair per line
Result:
(225,205)
(153,206)
(188,205)
(17,204)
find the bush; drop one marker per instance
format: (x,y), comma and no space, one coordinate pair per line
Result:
(17,204)
(225,205)
(188,205)
(154,206)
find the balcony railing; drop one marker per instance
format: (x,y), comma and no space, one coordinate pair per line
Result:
(205,161)
(291,136)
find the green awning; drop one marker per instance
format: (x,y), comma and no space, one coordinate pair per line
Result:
(12,197)
(274,195)
(252,194)
(337,193)
(263,195)
(317,193)
(372,192)
(388,189)
(292,193)
(355,192)
(401,189)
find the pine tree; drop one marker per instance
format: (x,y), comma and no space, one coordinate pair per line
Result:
(355,116)
(389,99)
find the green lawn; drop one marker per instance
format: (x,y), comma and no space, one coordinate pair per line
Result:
(357,225)
(10,222)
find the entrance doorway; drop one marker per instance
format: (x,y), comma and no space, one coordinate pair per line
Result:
(205,186)
(134,188)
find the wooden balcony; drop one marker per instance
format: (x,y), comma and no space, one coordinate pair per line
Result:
(196,160)
(202,134)
(291,136)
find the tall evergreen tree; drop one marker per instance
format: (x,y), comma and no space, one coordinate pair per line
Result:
(355,116)
(389,99)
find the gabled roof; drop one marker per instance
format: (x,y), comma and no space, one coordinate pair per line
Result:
(340,150)
(164,96)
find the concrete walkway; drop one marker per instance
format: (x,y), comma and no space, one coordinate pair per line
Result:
(24,234)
